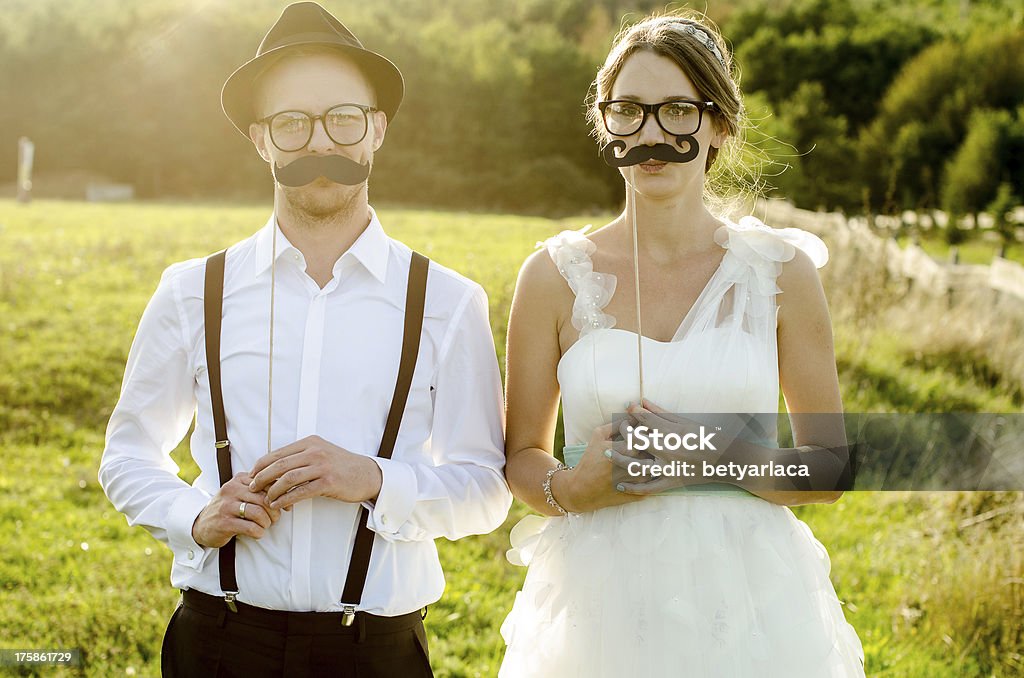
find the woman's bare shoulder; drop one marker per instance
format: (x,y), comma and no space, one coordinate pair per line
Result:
(799,276)
(541,290)
(540,274)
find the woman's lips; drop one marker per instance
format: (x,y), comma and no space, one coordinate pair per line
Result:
(652,166)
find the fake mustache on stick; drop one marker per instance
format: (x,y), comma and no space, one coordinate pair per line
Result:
(337,168)
(639,154)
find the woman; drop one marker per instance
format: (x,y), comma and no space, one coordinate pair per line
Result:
(624,579)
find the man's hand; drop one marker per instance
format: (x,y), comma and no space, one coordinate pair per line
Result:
(313,467)
(220,521)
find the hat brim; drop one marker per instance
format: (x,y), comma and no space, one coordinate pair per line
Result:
(384,77)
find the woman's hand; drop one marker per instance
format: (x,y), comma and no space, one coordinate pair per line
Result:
(657,468)
(589,485)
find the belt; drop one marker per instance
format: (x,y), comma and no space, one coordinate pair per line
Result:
(301,623)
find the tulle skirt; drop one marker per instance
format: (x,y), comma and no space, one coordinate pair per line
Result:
(684,586)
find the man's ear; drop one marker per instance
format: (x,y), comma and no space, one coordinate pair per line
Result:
(257,134)
(380,126)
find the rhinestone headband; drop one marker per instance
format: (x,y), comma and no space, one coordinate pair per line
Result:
(703,38)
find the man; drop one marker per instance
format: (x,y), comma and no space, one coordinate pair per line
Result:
(294,351)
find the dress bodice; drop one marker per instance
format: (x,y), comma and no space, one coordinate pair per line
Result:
(723,357)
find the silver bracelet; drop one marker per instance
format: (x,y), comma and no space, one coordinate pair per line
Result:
(547,489)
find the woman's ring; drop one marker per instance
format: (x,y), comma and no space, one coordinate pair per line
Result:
(241,511)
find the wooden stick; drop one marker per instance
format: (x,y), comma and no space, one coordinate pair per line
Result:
(636,280)
(270,362)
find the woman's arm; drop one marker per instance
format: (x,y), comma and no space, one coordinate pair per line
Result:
(531,401)
(807,369)
(532,353)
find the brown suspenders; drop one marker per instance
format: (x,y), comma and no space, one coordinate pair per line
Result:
(359,564)
(213,304)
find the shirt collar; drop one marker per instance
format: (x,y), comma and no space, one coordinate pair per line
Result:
(371,248)
(264,245)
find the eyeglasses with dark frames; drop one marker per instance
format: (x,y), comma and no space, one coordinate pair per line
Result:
(623,117)
(345,124)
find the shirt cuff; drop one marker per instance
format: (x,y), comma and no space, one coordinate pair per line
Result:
(180,519)
(396,499)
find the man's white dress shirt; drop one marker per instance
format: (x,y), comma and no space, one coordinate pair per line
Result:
(336,356)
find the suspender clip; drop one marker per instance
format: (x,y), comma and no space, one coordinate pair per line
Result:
(221,444)
(348,615)
(229,599)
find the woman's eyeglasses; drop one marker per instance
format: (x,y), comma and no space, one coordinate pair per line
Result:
(681,116)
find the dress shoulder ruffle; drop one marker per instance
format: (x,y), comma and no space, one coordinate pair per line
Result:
(764,249)
(570,251)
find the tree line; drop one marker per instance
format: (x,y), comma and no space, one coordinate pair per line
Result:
(866,105)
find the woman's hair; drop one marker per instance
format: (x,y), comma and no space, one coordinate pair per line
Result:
(663,34)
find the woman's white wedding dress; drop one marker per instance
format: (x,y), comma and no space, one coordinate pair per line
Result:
(711,582)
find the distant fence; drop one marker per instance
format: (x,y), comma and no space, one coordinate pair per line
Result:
(910,263)
(1007,276)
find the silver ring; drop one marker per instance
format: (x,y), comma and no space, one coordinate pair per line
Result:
(241,511)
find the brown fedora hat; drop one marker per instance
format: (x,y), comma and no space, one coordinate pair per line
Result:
(307,23)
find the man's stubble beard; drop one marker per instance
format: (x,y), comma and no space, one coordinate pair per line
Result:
(312,210)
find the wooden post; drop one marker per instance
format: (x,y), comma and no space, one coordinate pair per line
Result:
(26,152)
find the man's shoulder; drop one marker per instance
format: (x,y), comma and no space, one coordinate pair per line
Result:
(445,286)
(190,274)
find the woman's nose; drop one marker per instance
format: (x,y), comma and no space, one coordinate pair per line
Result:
(650,132)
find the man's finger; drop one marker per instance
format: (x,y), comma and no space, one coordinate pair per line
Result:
(271,473)
(237,491)
(280,453)
(289,480)
(242,478)
(231,505)
(245,528)
(257,514)
(260,498)
(297,494)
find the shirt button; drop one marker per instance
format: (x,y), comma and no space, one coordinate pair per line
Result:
(383,520)
(191,554)
(295,257)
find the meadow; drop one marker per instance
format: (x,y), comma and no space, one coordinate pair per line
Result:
(933,582)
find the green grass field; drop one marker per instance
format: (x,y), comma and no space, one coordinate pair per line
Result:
(929,594)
